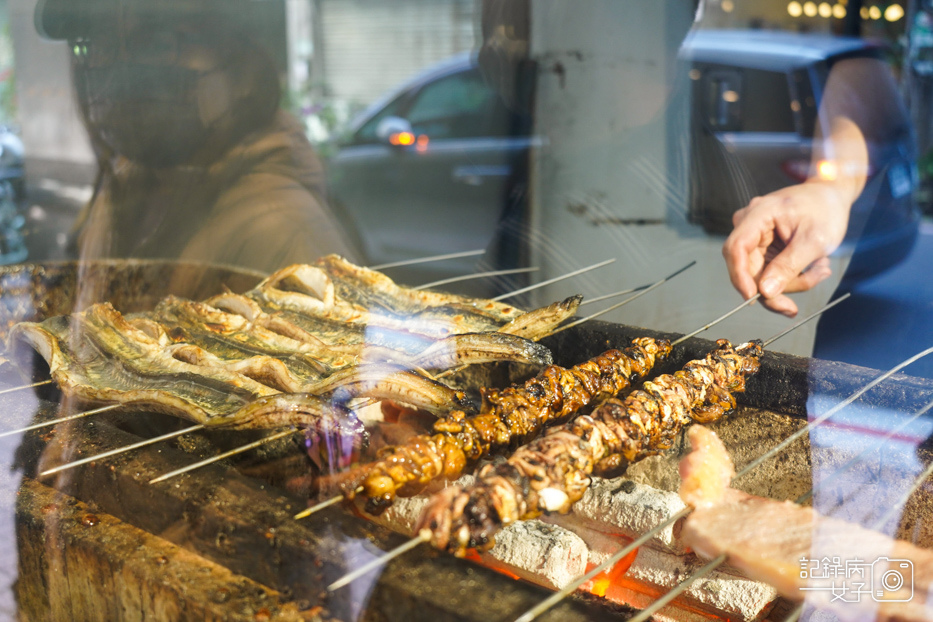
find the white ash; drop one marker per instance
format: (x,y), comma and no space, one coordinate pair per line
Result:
(548,555)
(545,554)
(725,591)
(632,509)
(555,550)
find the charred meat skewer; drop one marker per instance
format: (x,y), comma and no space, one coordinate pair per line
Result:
(510,415)
(552,473)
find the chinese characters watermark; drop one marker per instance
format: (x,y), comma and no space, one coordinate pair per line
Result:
(884,579)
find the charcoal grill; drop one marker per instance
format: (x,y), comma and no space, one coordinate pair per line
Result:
(99,542)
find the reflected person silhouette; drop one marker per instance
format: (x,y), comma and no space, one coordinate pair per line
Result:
(197,162)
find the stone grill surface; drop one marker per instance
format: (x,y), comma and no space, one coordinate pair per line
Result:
(220,542)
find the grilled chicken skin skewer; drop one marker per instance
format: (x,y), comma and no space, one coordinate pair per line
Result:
(510,415)
(552,472)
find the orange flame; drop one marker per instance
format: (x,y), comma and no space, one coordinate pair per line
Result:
(604,580)
(473,556)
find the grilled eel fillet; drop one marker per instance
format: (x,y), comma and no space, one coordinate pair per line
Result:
(335,290)
(508,416)
(98,355)
(310,291)
(205,363)
(373,290)
(552,472)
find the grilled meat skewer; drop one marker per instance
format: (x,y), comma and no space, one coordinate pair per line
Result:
(551,473)
(508,416)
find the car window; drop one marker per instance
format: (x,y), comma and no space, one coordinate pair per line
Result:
(457,106)
(804,101)
(719,98)
(767,105)
(367,132)
(735,99)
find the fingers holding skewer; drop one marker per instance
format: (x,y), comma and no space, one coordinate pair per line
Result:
(781,245)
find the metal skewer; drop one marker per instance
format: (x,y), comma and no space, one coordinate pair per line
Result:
(570,588)
(558,596)
(646,613)
(645,289)
(716,321)
(226,454)
(411,262)
(719,561)
(722,558)
(613,295)
(249,446)
(233,451)
(799,323)
(120,450)
(423,536)
(624,302)
(478,275)
(52,422)
(554,280)
(26,386)
(829,413)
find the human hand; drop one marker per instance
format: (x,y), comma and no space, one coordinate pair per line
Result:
(781,242)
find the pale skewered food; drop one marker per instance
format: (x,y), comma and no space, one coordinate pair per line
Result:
(769,540)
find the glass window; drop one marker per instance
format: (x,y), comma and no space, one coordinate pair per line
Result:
(746,100)
(767,106)
(458,106)
(805,101)
(367,133)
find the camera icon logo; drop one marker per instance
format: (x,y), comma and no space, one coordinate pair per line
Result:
(892,580)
